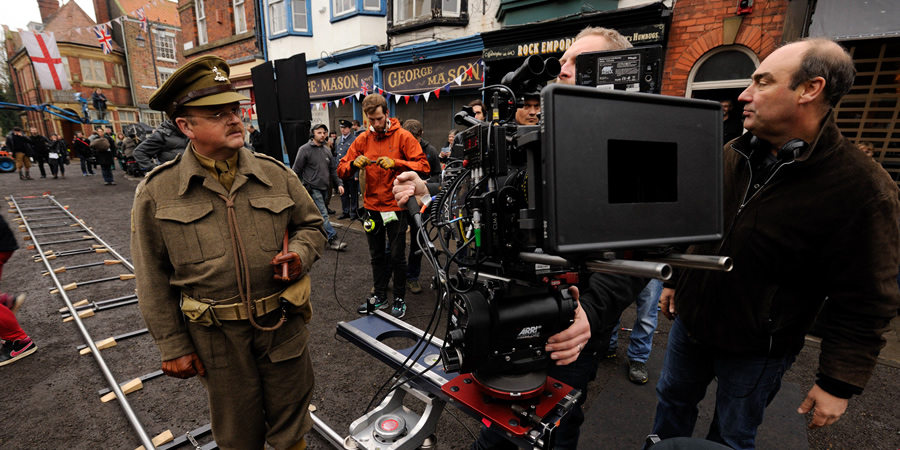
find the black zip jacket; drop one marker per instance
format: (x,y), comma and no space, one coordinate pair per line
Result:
(823,224)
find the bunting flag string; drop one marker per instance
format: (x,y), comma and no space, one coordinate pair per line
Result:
(102,29)
(364,90)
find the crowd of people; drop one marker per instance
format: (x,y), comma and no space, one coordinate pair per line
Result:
(792,225)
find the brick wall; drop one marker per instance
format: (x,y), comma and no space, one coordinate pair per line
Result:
(221,39)
(144,63)
(697,28)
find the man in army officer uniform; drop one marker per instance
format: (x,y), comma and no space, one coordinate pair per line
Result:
(208,232)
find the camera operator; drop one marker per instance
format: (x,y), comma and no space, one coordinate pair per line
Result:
(576,350)
(810,217)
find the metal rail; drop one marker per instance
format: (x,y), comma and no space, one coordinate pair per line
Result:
(107,374)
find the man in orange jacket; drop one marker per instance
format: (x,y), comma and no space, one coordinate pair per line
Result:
(383,151)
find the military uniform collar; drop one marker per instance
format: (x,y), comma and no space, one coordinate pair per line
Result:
(248,165)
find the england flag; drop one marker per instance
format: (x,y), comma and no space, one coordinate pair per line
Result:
(46,61)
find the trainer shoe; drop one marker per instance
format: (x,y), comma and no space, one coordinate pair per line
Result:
(637,372)
(611,353)
(413,286)
(376,302)
(12,302)
(399,308)
(337,246)
(16,350)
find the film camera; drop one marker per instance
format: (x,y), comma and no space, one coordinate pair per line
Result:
(527,211)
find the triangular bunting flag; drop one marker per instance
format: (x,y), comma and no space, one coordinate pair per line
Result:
(337,103)
(344,100)
(357,95)
(416,98)
(447,87)
(437,93)
(458,81)
(78,30)
(427,94)
(381,91)
(324,105)
(387,95)
(406,98)
(469,72)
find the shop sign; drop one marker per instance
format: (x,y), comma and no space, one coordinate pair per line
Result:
(339,84)
(424,77)
(643,35)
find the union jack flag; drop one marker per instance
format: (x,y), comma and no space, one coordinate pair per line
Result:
(103,38)
(143,18)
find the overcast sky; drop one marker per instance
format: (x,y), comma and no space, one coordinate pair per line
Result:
(17,13)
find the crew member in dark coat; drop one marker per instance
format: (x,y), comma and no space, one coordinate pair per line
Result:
(83,151)
(20,146)
(103,151)
(165,143)
(210,301)
(40,145)
(350,197)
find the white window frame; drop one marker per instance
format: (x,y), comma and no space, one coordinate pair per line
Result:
(127,116)
(451,13)
(371,5)
(152,119)
(719,84)
(299,16)
(200,8)
(277,12)
(425,6)
(240,17)
(165,46)
(96,72)
(342,7)
(164,74)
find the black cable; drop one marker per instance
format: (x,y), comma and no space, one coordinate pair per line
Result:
(334,278)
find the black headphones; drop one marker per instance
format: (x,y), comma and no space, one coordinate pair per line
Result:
(789,152)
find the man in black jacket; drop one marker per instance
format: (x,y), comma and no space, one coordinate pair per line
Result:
(20,146)
(165,143)
(40,144)
(808,217)
(82,149)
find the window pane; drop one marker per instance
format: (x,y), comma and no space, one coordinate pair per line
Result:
(372,5)
(201,22)
(240,19)
(341,7)
(450,8)
(277,20)
(728,65)
(409,9)
(165,46)
(298,10)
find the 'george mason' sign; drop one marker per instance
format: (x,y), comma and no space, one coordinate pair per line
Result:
(338,84)
(419,78)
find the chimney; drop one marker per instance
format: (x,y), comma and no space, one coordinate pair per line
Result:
(101,11)
(48,8)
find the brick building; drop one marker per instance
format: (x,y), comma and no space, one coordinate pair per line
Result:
(225,28)
(152,56)
(87,69)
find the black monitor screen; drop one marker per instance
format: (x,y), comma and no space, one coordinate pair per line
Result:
(626,170)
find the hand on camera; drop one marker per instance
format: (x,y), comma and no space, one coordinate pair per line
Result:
(566,346)
(184,366)
(406,185)
(361,161)
(385,162)
(295,266)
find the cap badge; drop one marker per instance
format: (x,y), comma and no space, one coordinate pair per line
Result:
(219,76)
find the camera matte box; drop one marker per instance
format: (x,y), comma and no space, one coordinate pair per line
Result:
(627,170)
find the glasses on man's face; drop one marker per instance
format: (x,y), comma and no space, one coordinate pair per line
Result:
(223,116)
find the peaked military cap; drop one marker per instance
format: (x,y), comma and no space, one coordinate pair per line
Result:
(201,82)
(345,123)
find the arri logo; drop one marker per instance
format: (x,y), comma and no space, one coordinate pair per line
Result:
(529,332)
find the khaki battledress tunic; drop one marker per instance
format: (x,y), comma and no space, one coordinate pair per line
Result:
(259,382)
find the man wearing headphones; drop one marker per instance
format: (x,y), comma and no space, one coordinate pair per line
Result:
(384,151)
(808,217)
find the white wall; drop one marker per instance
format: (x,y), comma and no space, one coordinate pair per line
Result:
(349,33)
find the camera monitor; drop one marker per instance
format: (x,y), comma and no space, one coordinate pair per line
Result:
(625,170)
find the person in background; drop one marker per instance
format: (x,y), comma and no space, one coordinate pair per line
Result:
(350,197)
(414,261)
(731,124)
(867,147)
(164,144)
(22,152)
(99,100)
(57,156)
(40,145)
(103,151)
(16,344)
(316,166)
(82,149)
(255,138)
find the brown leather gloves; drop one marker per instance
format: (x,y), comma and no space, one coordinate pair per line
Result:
(184,367)
(295,266)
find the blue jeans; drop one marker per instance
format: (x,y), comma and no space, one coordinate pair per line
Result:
(747,384)
(644,326)
(106,169)
(578,375)
(318,196)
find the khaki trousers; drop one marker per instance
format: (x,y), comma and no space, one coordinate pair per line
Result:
(259,383)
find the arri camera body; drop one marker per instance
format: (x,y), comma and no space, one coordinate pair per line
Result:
(528,210)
